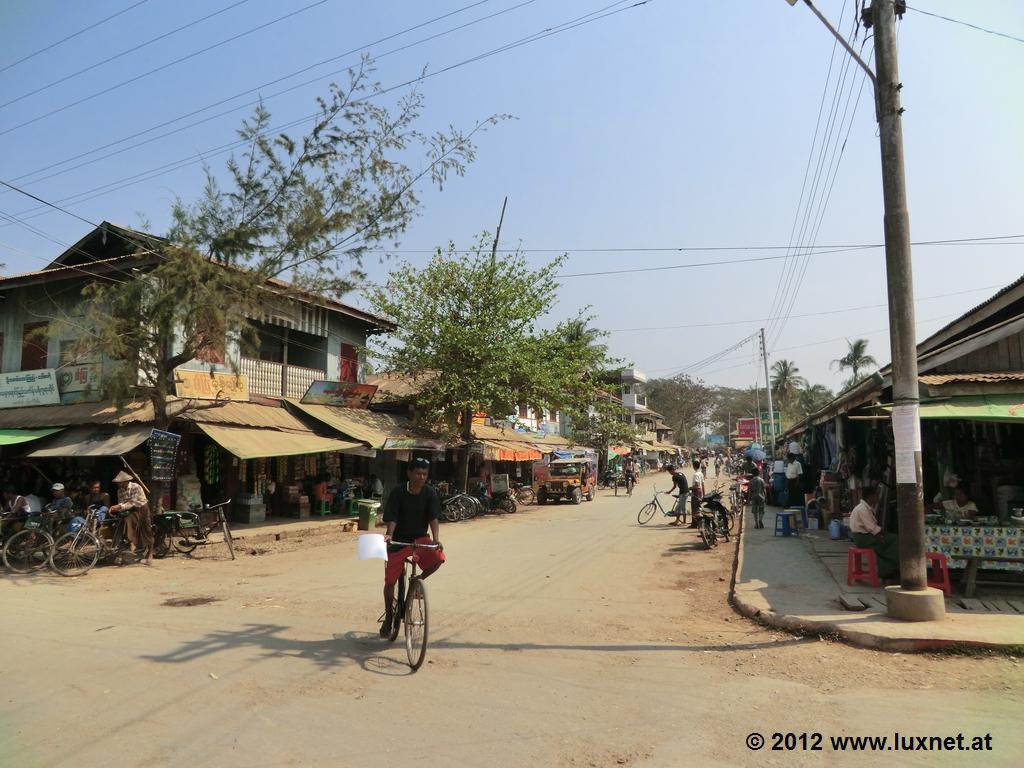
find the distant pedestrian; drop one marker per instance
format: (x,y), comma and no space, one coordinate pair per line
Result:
(755,494)
(794,481)
(718,466)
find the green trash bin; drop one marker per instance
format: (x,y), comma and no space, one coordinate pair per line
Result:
(368,509)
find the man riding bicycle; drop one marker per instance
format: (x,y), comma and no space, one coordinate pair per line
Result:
(629,472)
(408,512)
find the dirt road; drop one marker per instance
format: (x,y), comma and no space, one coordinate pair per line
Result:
(562,636)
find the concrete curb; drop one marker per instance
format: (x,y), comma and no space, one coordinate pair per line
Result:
(803,626)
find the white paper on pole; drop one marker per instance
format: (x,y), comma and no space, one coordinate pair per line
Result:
(906,469)
(372,545)
(906,428)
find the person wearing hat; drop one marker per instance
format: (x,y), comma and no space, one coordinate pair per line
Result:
(138,525)
(61,503)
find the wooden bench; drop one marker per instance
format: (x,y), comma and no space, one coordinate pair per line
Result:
(974,562)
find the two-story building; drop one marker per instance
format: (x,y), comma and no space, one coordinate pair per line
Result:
(242,431)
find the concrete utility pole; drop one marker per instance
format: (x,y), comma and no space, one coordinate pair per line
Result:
(771,410)
(912,600)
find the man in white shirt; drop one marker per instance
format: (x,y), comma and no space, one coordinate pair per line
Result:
(867,533)
(696,494)
(794,482)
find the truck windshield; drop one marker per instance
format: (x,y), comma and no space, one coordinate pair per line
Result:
(566,470)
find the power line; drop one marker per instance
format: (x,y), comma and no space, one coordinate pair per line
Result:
(116,56)
(808,314)
(258,89)
(162,67)
(71,36)
(968,24)
(192,159)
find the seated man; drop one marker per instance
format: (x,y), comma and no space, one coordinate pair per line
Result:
(960,507)
(61,503)
(867,533)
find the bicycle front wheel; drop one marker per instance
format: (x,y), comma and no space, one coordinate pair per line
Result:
(416,624)
(27,550)
(227,536)
(74,554)
(707,536)
(646,513)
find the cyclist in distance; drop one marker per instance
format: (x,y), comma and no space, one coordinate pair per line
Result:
(409,511)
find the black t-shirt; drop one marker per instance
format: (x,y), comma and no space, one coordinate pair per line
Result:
(679,481)
(412,513)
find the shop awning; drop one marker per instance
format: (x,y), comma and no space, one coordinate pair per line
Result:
(413,444)
(647,446)
(15,436)
(252,443)
(377,430)
(87,442)
(974,408)
(621,450)
(496,450)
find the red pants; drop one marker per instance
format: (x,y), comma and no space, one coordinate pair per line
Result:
(426,559)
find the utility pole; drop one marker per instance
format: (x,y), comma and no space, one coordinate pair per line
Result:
(912,600)
(771,411)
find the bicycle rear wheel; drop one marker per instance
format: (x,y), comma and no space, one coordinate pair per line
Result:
(27,550)
(74,554)
(646,512)
(416,624)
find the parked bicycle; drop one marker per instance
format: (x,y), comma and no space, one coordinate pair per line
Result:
(459,506)
(410,608)
(29,549)
(184,531)
(75,553)
(524,494)
(648,510)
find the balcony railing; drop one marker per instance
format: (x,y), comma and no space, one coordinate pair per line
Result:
(265,378)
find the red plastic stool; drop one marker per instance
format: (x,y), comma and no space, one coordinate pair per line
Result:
(855,567)
(938,572)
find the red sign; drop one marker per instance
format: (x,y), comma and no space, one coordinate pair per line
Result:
(746,429)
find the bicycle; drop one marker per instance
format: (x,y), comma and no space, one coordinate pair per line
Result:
(630,482)
(77,552)
(458,507)
(411,607)
(29,549)
(525,494)
(648,510)
(184,531)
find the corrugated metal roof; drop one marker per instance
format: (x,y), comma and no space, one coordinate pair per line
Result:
(137,412)
(370,427)
(933,379)
(241,414)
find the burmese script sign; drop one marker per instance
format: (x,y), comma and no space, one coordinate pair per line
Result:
(80,383)
(202,385)
(29,388)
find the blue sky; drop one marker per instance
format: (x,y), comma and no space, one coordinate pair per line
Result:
(671,125)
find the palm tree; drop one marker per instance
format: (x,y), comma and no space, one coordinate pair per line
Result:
(813,397)
(579,330)
(856,359)
(786,380)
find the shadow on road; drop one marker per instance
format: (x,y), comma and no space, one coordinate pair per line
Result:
(366,648)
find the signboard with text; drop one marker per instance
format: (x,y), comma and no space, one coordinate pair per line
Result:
(29,388)
(747,429)
(80,383)
(765,422)
(202,385)
(346,394)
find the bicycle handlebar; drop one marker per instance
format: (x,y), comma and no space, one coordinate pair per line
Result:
(413,544)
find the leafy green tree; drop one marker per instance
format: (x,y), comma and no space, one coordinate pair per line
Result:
(477,320)
(684,402)
(303,208)
(855,360)
(602,426)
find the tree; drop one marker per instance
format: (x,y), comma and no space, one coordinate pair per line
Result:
(602,426)
(476,319)
(305,208)
(684,402)
(786,380)
(812,398)
(580,331)
(855,359)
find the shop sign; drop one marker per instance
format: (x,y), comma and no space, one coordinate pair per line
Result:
(80,383)
(202,385)
(747,429)
(414,444)
(345,394)
(716,439)
(765,421)
(29,388)
(163,451)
